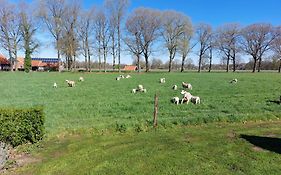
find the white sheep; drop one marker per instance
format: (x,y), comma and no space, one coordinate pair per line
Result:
(121,76)
(162,80)
(81,79)
(134,91)
(175,87)
(128,76)
(186,97)
(144,90)
(55,85)
(234,81)
(140,87)
(195,100)
(187,85)
(175,100)
(70,83)
(118,78)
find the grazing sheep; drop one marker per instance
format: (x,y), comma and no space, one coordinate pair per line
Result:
(81,79)
(118,78)
(195,100)
(70,83)
(140,87)
(55,85)
(122,76)
(162,80)
(144,90)
(175,100)
(134,91)
(186,97)
(234,81)
(175,87)
(187,85)
(128,76)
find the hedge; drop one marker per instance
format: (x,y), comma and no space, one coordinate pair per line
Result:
(19,126)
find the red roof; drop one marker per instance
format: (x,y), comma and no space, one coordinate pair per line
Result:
(130,68)
(3,60)
(36,63)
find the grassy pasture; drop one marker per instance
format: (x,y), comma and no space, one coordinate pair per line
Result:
(205,149)
(101,101)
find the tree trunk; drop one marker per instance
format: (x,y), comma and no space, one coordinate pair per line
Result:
(146,63)
(86,59)
(234,62)
(104,60)
(259,67)
(16,59)
(211,59)
(200,62)
(227,63)
(113,52)
(170,64)
(89,60)
(279,70)
(99,59)
(58,54)
(138,62)
(119,48)
(182,63)
(255,65)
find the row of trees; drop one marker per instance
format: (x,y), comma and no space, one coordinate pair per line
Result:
(107,31)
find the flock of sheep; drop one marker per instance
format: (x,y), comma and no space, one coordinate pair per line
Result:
(186,95)
(70,83)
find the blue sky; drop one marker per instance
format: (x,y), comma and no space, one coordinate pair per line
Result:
(214,12)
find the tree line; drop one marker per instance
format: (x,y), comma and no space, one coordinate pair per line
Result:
(109,31)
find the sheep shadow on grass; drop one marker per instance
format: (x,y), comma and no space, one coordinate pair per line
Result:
(267,143)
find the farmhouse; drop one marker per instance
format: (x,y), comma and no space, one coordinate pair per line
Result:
(39,64)
(130,68)
(4,63)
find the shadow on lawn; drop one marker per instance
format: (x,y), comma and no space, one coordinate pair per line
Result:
(268,143)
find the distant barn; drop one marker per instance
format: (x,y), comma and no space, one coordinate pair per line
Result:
(4,63)
(130,68)
(40,64)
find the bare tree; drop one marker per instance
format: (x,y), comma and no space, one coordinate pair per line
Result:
(69,43)
(276,46)
(256,41)
(28,30)
(10,35)
(227,43)
(117,10)
(85,31)
(133,39)
(52,13)
(102,36)
(147,23)
(185,46)
(175,24)
(204,36)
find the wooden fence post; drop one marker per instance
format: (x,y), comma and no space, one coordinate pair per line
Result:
(155,111)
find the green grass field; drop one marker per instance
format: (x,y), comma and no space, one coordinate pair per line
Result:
(101,101)
(81,123)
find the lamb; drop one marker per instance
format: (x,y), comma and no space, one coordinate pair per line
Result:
(234,81)
(175,100)
(55,85)
(195,100)
(162,80)
(140,87)
(134,91)
(175,87)
(121,76)
(70,83)
(81,79)
(186,97)
(187,85)
(118,78)
(128,76)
